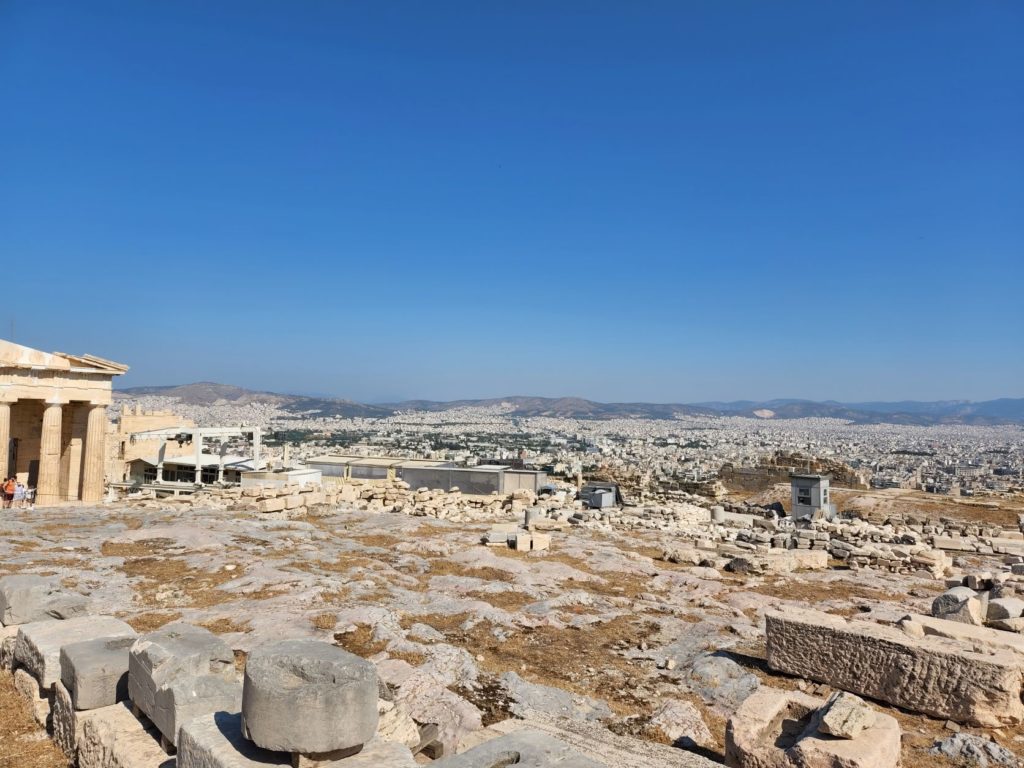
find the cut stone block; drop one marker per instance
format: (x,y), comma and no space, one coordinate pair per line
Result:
(779,729)
(524,749)
(215,740)
(8,636)
(928,625)
(37,648)
(308,697)
(943,678)
(1008,625)
(95,672)
(959,604)
(66,722)
(185,697)
(39,701)
(113,737)
(270,505)
(176,650)
(524,542)
(1003,608)
(845,716)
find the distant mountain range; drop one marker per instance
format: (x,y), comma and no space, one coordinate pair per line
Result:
(1002,411)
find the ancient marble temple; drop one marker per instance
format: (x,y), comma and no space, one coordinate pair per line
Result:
(53,421)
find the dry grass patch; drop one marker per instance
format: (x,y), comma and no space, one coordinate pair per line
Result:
(411,657)
(489,696)
(335,597)
(159,574)
(440,566)
(22,743)
(147,622)
(508,600)
(324,620)
(382,540)
(583,661)
(263,593)
(224,625)
(819,591)
(129,549)
(344,564)
(360,641)
(604,583)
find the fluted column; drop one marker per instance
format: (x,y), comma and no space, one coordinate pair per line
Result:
(5,438)
(95,454)
(48,491)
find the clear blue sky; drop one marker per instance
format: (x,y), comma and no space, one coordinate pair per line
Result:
(663,201)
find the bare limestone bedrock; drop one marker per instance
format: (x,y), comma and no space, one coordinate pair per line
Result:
(38,646)
(940,677)
(783,729)
(95,672)
(308,697)
(26,598)
(524,749)
(181,671)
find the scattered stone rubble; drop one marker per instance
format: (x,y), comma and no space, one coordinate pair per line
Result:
(986,598)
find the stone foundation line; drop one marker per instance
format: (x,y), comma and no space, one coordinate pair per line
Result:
(902,545)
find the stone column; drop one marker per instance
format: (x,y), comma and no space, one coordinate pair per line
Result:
(5,438)
(48,492)
(160,453)
(95,454)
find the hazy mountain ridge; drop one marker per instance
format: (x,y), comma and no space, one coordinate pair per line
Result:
(911,412)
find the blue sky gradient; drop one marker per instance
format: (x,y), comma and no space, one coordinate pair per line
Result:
(661,201)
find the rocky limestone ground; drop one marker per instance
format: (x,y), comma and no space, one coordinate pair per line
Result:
(597,629)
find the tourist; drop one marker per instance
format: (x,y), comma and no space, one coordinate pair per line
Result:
(19,495)
(9,484)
